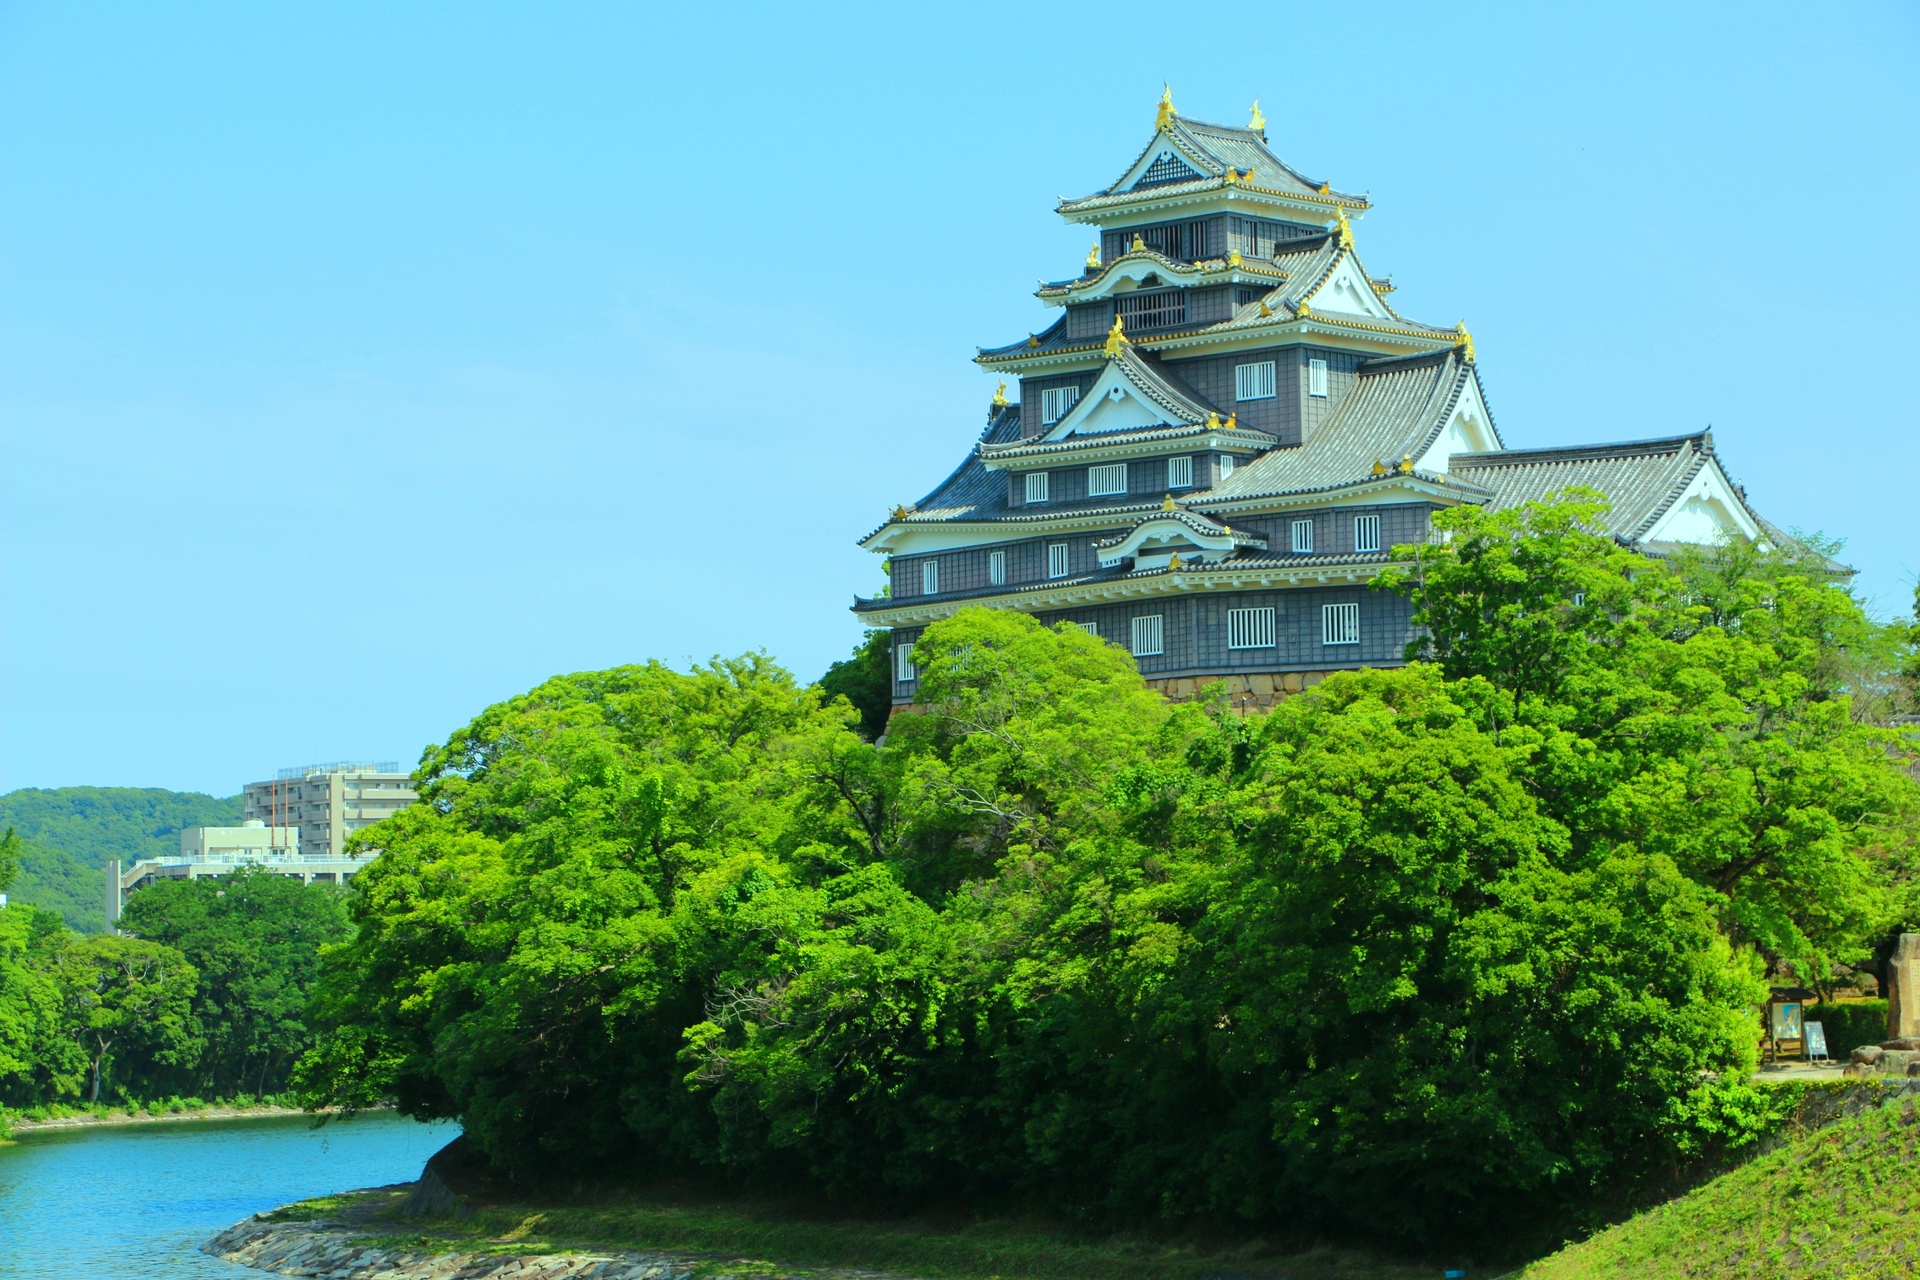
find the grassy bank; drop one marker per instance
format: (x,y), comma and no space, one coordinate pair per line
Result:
(1838,1203)
(64,1116)
(792,1235)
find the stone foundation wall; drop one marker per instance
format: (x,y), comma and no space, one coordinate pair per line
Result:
(1257,692)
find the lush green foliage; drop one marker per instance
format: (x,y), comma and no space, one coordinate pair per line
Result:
(55,879)
(1840,1203)
(206,1001)
(97,824)
(866,681)
(254,938)
(1848,1026)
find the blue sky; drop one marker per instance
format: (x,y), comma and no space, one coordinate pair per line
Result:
(361,365)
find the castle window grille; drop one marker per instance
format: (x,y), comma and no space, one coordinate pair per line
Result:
(1091,628)
(1243,295)
(1180,473)
(1148,636)
(1226,466)
(1340,624)
(1057,560)
(929,577)
(1366,533)
(1254,381)
(997,568)
(1250,628)
(1303,536)
(1107,481)
(903,668)
(1036,486)
(1054,403)
(1316,377)
(1166,169)
(1153,310)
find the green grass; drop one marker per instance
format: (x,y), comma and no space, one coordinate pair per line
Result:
(1840,1203)
(770,1235)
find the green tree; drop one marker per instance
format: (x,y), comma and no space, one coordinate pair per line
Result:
(9,859)
(127,995)
(254,939)
(39,1062)
(866,681)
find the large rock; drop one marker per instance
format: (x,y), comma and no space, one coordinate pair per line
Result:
(1903,989)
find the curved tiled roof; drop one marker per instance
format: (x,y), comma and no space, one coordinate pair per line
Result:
(1206,526)
(1212,149)
(1243,437)
(1642,478)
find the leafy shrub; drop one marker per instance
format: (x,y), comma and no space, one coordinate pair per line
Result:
(1850,1025)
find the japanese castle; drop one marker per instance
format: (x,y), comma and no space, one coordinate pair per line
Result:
(1227,428)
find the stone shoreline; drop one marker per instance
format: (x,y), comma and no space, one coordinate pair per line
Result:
(340,1251)
(89,1121)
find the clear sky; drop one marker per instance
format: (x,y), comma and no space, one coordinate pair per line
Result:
(361,365)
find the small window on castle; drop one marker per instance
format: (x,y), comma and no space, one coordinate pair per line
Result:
(1057,560)
(1054,403)
(903,668)
(1366,533)
(1316,377)
(997,568)
(1105,482)
(1148,636)
(1250,628)
(1179,473)
(1303,535)
(929,577)
(1226,466)
(1253,381)
(1340,624)
(1036,486)
(1091,628)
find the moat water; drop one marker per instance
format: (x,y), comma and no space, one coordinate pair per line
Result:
(139,1200)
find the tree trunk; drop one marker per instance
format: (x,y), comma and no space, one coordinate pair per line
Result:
(94,1097)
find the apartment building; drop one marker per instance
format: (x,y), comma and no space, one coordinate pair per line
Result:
(328,802)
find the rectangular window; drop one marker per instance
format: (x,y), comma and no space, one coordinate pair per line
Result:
(1054,403)
(997,568)
(1340,624)
(1179,473)
(1226,466)
(1316,377)
(1153,310)
(1091,628)
(1250,628)
(1104,482)
(929,577)
(1147,636)
(903,667)
(1366,533)
(1253,381)
(1057,560)
(1036,486)
(1303,535)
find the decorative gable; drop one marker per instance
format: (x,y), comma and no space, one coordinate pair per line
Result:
(1164,162)
(1347,289)
(1469,429)
(1708,510)
(1165,170)
(1119,401)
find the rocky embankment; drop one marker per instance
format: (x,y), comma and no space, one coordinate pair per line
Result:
(342,1252)
(1896,1058)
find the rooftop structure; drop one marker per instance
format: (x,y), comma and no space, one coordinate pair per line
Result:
(329,802)
(1228,427)
(218,851)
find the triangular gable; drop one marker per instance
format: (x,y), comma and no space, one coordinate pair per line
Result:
(1707,511)
(1161,162)
(1468,429)
(1120,401)
(1348,290)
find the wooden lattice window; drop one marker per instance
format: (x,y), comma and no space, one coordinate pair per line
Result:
(1153,310)
(1167,168)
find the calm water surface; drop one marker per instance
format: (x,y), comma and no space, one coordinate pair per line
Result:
(139,1200)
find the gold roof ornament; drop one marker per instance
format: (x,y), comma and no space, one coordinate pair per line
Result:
(1213,421)
(1258,123)
(1406,465)
(1379,467)
(1093,257)
(1326,188)
(1138,245)
(1000,395)
(1033,339)
(1167,503)
(1231,176)
(1265,310)
(1346,229)
(1233,420)
(1233,258)
(1173,561)
(1116,337)
(899,513)
(1463,339)
(1302,311)
(1166,112)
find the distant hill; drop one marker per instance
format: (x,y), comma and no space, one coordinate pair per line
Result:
(95,824)
(55,879)
(1839,1203)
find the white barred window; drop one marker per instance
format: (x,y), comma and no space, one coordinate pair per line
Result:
(1340,624)
(1316,377)
(1104,482)
(1250,628)
(1036,486)
(1366,533)
(1091,628)
(929,577)
(1253,381)
(1179,473)
(1057,560)
(1054,403)
(903,668)
(1226,466)
(1148,636)
(1303,536)
(997,568)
